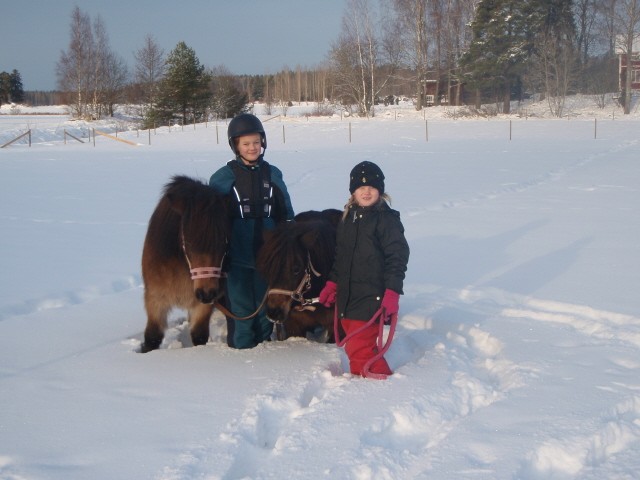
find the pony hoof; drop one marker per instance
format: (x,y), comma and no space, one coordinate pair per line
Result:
(146,348)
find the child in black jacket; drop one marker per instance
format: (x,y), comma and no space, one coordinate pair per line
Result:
(368,273)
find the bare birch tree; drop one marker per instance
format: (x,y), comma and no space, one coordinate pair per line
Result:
(555,72)
(457,36)
(607,24)
(434,35)
(74,67)
(110,73)
(411,20)
(358,55)
(149,71)
(90,69)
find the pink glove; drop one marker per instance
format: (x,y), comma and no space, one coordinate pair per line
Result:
(328,294)
(391,302)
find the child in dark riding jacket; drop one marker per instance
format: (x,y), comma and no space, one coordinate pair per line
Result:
(369,269)
(259,200)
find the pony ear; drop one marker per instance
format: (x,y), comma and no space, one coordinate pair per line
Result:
(308,239)
(176,202)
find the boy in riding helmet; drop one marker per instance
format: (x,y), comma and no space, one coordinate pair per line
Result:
(369,269)
(259,200)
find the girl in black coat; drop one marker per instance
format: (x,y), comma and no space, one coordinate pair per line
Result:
(371,260)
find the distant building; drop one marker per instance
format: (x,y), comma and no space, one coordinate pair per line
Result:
(444,93)
(622,65)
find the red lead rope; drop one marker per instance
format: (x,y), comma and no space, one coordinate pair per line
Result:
(382,346)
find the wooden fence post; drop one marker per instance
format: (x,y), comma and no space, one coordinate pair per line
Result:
(27,133)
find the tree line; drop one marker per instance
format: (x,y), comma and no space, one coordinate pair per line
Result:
(470,52)
(475,52)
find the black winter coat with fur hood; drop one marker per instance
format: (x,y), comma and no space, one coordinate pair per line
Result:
(371,256)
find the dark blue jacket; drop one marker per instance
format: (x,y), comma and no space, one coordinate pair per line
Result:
(244,230)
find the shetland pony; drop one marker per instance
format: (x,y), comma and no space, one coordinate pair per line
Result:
(182,258)
(295,260)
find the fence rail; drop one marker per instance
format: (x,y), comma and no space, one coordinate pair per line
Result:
(67,134)
(104,134)
(28,132)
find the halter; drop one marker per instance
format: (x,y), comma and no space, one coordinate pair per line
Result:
(303,287)
(202,272)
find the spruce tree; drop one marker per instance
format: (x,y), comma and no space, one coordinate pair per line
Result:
(16,91)
(5,87)
(184,90)
(499,48)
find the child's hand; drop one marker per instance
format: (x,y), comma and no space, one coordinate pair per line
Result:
(328,294)
(391,302)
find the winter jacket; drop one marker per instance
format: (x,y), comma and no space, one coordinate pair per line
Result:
(371,256)
(246,233)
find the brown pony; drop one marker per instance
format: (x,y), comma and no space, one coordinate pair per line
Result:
(182,258)
(295,260)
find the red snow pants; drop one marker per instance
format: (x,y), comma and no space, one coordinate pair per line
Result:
(362,347)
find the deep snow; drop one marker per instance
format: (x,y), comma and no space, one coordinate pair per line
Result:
(517,350)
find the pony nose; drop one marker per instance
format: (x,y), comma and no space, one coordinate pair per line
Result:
(206,296)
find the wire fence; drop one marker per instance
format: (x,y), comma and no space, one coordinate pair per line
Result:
(336,129)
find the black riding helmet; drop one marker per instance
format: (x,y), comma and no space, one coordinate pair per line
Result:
(245,124)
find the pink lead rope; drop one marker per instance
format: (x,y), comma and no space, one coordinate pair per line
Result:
(382,347)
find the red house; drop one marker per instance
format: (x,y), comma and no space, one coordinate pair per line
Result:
(445,94)
(635,66)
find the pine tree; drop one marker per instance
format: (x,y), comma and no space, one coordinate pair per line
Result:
(184,90)
(499,49)
(16,92)
(5,87)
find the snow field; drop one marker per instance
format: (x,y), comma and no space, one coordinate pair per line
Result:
(516,354)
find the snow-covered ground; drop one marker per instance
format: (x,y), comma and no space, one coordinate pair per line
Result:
(517,354)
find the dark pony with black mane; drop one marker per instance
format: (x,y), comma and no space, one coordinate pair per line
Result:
(295,260)
(182,258)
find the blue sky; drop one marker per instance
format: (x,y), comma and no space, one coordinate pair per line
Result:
(247,36)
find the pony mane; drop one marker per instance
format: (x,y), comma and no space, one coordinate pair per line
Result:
(194,205)
(310,235)
(275,250)
(322,244)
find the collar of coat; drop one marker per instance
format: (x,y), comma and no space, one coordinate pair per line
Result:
(257,164)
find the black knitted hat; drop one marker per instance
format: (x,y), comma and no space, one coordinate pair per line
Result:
(366,174)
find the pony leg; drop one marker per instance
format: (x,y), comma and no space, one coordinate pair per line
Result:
(199,317)
(156,324)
